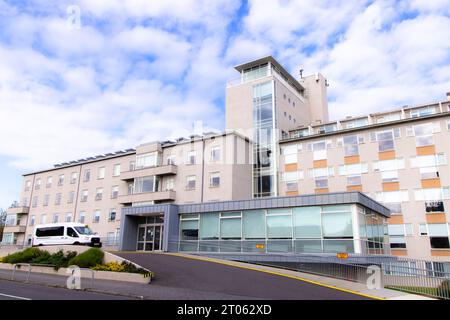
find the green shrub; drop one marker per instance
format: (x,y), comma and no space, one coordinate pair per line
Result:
(58,259)
(25,256)
(88,259)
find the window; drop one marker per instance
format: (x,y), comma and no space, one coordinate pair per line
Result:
(50,232)
(392,196)
(421,112)
(429,160)
(191,157)
(319,149)
(55,218)
(429,173)
(73,177)
(321,183)
(84,195)
(68,217)
(71,233)
(82,217)
(34,202)
(389,165)
(389,176)
(87,175)
(27,185)
(110,238)
(190,185)
(209,226)
(290,153)
(58,199)
(424,134)
(99,194)
(353,169)
(145,184)
(351,143)
(147,160)
(337,222)
(389,117)
(385,139)
(434,206)
(96,217)
(326,128)
(132,166)
(71,197)
(215,154)
(423,230)
(60,180)
(116,170)
(307,222)
(279,223)
(46,200)
(354,180)
(38,184)
(356,123)
(112,215)
(171,160)
(101,173)
(432,194)
(32,220)
(254,224)
(214,179)
(49,182)
(397,236)
(438,234)
(170,184)
(114,192)
(230,225)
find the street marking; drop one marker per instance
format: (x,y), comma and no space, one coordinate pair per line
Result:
(15,297)
(278,274)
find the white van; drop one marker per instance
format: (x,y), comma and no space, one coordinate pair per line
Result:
(65,233)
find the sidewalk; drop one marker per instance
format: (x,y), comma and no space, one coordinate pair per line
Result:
(338,284)
(134,290)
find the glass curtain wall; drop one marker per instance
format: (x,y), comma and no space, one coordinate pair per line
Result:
(264,146)
(313,229)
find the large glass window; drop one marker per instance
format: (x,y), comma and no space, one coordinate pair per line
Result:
(144,184)
(189,229)
(307,222)
(337,222)
(209,226)
(279,224)
(147,160)
(254,224)
(230,226)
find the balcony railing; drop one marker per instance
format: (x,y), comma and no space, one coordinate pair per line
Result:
(150,171)
(148,196)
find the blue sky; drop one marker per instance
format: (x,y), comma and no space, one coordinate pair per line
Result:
(143,70)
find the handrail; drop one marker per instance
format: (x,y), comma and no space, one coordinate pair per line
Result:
(21,264)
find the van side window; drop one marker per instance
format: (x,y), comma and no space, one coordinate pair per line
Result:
(50,232)
(72,233)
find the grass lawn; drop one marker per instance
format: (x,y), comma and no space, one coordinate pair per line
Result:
(433,292)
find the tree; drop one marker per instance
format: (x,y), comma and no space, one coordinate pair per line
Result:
(2,222)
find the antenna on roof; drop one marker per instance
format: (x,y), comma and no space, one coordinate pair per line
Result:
(301,73)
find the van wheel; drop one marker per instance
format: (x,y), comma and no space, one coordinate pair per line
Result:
(40,245)
(76,243)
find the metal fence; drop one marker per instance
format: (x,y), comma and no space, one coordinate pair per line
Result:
(403,274)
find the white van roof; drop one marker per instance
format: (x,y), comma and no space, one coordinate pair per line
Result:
(63,224)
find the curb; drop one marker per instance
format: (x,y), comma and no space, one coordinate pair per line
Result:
(93,290)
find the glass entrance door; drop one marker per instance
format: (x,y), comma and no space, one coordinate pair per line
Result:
(150,237)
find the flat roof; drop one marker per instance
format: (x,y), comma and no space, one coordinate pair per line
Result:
(334,198)
(122,153)
(278,66)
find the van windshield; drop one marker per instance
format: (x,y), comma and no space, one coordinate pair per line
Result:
(84,231)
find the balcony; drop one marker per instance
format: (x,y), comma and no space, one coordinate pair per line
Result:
(150,171)
(147,196)
(18,210)
(14,229)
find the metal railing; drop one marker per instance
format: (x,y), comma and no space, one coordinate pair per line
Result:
(409,275)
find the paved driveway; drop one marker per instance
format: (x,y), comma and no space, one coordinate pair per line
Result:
(183,273)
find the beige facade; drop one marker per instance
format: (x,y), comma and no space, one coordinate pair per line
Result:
(93,191)
(399,158)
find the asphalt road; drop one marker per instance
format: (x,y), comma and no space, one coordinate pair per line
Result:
(10,290)
(183,273)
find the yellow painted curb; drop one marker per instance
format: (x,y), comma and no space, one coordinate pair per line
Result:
(278,274)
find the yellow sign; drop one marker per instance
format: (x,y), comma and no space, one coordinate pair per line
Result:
(259,246)
(342,255)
